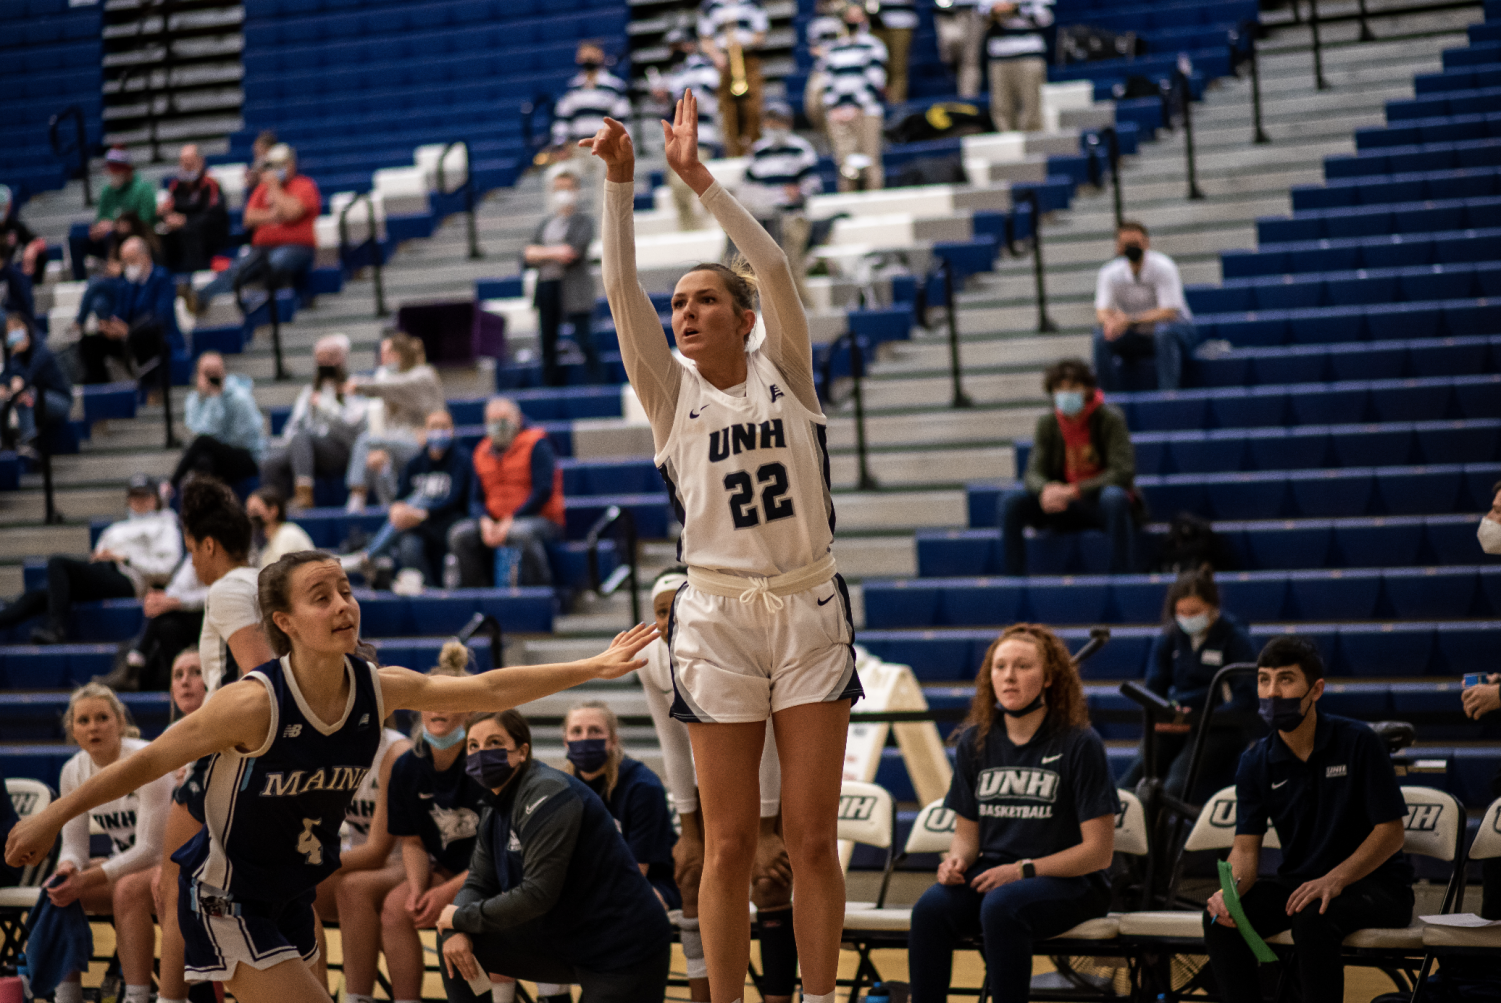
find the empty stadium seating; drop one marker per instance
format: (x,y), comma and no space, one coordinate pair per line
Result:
(49,60)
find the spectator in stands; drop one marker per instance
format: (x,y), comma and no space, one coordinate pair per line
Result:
(559,250)
(898,20)
(119,885)
(1018,50)
(1027,861)
(143,325)
(140,551)
(410,390)
(369,867)
(9,876)
(103,289)
(19,247)
(281,210)
(516,500)
(578,912)
(228,441)
(782,173)
(1140,309)
(822,30)
(320,434)
(174,620)
(632,792)
(690,70)
(433,808)
(435,489)
(216,532)
(33,384)
(1327,784)
(126,191)
(961,33)
(1482,702)
(1198,639)
(197,223)
(731,33)
(1081,472)
(273,535)
(593,93)
(16,296)
(855,71)
(265,142)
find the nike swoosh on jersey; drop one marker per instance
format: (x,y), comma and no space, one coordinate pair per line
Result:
(692,413)
(532,807)
(822,601)
(1049,759)
(1278,784)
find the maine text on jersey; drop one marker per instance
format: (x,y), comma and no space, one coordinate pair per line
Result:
(338,778)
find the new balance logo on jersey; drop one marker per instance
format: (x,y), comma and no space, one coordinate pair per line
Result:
(364,720)
(291,731)
(1011,782)
(325,778)
(743,438)
(776,392)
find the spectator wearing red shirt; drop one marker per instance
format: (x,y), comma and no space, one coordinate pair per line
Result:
(282,210)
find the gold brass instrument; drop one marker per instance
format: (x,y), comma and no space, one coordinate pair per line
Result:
(739,86)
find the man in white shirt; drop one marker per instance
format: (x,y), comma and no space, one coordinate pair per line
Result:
(1141,311)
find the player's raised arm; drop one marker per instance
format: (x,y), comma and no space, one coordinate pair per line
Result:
(500,689)
(238,715)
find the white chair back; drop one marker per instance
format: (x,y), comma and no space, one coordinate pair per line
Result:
(933,830)
(1130,825)
(1487,845)
(1215,827)
(1434,823)
(867,814)
(28,796)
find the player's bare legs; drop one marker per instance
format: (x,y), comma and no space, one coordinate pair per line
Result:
(728,759)
(289,982)
(810,745)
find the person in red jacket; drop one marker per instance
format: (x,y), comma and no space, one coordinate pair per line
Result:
(517,500)
(281,210)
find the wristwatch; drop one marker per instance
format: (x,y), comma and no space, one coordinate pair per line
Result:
(1029,869)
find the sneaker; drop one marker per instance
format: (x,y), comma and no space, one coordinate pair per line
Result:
(356,504)
(48,635)
(408,582)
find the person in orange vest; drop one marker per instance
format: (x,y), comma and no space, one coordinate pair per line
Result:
(516,500)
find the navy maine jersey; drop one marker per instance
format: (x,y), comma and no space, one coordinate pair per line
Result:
(272,816)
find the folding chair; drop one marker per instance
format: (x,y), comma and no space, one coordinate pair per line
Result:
(28,797)
(1448,942)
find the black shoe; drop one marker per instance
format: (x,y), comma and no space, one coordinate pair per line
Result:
(48,635)
(381,574)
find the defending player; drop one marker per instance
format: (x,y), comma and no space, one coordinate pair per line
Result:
(763,628)
(291,742)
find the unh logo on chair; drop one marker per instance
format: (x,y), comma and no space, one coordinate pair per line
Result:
(25,802)
(1223,815)
(1423,817)
(856,807)
(944,820)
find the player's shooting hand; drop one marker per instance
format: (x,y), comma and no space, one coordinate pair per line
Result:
(680,136)
(620,658)
(613,145)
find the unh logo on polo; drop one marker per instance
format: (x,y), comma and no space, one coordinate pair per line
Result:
(1423,817)
(1012,782)
(856,807)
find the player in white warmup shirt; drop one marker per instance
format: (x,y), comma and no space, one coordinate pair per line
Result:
(762,628)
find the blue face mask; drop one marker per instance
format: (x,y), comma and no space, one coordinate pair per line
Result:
(439,439)
(588,754)
(447,741)
(15,336)
(1193,625)
(1069,402)
(490,768)
(1283,713)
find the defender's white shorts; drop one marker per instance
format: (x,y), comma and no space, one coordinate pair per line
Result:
(735,662)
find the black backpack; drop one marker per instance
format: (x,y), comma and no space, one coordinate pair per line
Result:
(1190,543)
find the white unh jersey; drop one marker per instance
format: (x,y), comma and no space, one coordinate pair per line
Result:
(362,806)
(748,476)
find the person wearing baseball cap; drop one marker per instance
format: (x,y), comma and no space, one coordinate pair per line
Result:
(132,555)
(126,190)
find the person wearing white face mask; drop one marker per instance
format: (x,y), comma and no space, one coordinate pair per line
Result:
(144,315)
(1198,639)
(1482,703)
(516,500)
(559,251)
(1081,473)
(781,175)
(132,555)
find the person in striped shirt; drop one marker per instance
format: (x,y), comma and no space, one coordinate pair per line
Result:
(782,173)
(690,70)
(593,93)
(721,22)
(856,67)
(822,30)
(1018,61)
(960,30)
(898,22)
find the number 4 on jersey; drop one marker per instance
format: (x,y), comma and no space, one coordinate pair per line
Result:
(743,495)
(308,844)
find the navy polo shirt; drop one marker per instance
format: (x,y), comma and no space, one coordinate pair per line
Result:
(639,806)
(1325,808)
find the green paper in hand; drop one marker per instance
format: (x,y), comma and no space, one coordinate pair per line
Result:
(1258,946)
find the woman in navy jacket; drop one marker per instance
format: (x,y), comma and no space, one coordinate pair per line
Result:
(32,379)
(1198,639)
